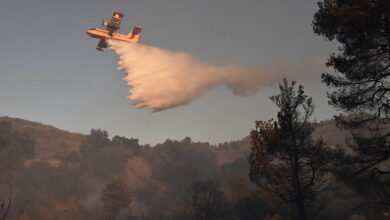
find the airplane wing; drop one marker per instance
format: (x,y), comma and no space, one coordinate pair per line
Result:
(114,24)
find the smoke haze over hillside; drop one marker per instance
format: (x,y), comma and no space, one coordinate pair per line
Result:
(162,79)
(76,171)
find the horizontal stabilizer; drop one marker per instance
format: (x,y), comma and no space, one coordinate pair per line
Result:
(135,34)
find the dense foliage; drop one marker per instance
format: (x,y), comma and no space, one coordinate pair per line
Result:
(360,87)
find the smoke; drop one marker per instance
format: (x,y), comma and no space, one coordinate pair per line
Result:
(138,172)
(162,79)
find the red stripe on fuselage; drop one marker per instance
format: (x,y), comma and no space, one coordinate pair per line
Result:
(103,37)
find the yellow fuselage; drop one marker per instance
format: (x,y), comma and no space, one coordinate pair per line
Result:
(104,35)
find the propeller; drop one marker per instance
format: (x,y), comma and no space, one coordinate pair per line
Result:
(101,24)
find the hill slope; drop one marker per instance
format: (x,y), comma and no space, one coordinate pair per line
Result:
(50,141)
(59,175)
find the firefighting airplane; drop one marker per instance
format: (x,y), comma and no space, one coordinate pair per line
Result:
(110,32)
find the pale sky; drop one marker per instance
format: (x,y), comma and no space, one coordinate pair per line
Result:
(51,73)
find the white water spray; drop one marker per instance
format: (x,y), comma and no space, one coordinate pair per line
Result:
(162,79)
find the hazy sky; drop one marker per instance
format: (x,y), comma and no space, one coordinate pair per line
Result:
(51,73)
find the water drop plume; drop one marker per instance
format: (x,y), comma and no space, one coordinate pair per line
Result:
(161,79)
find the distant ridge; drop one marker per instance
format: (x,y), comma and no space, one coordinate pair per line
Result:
(50,140)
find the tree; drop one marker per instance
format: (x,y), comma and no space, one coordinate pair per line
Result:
(361,86)
(5,206)
(130,143)
(284,159)
(116,197)
(98,138)
(205,201)
(99,156)
(15,149)
(247,200)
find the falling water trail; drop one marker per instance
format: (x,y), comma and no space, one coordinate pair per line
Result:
(161,79)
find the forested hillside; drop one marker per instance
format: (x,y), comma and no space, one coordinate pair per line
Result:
(56,174)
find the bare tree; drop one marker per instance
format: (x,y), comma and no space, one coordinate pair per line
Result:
(205,201)
(5,206)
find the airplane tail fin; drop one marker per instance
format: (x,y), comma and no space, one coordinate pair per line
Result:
(135,34)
